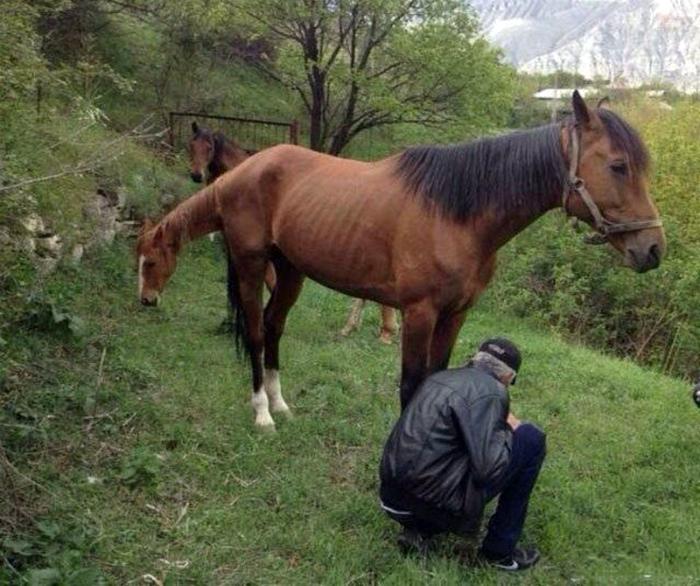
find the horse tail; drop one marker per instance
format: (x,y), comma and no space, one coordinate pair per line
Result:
(241,333)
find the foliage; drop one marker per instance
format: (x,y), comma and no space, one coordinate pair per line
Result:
(354,65)
(53,554)
(141,467)
(21,61)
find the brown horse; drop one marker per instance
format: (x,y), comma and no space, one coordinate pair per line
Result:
(211,155)
(418,231)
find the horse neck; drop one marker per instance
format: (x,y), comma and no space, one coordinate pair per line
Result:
(496,229)
(196,216)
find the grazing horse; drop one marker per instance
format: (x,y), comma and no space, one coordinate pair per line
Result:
(418,231)
(211,155)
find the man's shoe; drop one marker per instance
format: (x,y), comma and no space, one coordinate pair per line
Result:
(520,559)
(410,541)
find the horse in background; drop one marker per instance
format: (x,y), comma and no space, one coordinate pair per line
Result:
(211,155)
(418,231)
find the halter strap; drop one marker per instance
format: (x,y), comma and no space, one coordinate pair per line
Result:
(602,225)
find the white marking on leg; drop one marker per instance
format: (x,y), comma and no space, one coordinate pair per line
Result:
(262,413)
(354,318)
(273,388)
(142,258)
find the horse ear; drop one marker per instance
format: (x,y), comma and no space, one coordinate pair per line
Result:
(604,103)
(146,225)
(195,127)
(582,114)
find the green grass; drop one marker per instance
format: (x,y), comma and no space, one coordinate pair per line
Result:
(151,464)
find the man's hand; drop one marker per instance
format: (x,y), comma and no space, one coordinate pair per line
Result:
(513,421)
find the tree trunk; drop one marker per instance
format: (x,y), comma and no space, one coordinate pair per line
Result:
(317,81)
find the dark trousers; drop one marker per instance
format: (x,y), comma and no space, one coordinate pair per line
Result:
(506,524)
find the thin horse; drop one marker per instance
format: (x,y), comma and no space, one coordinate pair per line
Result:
(211,155)
(418,231)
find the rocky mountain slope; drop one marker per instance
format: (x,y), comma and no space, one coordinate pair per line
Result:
(623,41)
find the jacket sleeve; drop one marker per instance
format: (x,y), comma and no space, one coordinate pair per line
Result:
(487,436)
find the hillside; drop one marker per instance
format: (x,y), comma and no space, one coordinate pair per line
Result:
(139,442)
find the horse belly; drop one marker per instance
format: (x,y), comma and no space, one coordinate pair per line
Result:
(342,246)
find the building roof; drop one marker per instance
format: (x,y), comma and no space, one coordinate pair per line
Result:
(561,93)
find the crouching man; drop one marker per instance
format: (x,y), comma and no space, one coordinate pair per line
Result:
(457,446)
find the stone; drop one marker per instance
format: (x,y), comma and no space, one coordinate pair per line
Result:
(49,246)
(77,253)
(33,224)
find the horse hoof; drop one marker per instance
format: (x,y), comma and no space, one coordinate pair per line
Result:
(265,422)
(386,338)
(286,412)
(265,427)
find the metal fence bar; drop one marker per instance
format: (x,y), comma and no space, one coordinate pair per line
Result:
(245,129)
(232,118)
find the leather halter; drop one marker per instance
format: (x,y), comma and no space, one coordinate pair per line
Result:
(602,225)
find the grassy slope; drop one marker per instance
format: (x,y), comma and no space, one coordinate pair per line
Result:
(179,473)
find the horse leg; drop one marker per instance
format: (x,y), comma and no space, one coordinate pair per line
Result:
(285,294)
(389,324)
(417,325)
(354,318)
(250,273)
(444,337)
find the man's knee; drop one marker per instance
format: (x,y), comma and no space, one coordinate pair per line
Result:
(533,437)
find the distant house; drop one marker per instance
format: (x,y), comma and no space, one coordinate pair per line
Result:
(561,93)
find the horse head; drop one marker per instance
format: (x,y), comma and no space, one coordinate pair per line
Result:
(156,251)
(607,185)
(201,149)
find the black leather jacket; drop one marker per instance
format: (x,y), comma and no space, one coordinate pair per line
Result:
(450,442)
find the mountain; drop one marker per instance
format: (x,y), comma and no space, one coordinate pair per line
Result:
(624,41)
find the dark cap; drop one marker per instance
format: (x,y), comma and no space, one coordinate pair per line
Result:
(504,350)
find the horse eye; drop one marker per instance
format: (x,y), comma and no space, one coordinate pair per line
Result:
(147,264)
(619,168)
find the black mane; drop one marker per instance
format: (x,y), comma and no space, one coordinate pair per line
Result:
(517,171)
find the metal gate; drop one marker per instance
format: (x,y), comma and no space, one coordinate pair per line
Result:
(252,134)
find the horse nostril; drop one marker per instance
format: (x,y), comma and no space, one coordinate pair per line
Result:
(196,177)
(654,255)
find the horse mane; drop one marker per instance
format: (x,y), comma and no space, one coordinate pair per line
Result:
(178,216)
(504,172)
(221,141)
(521,170)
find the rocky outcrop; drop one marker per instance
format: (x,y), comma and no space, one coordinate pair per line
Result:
(106,215)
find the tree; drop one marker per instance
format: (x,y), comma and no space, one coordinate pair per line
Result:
(360,64)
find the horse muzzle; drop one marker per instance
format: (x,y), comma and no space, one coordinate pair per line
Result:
(643,260)
(149,301)
(196,177)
